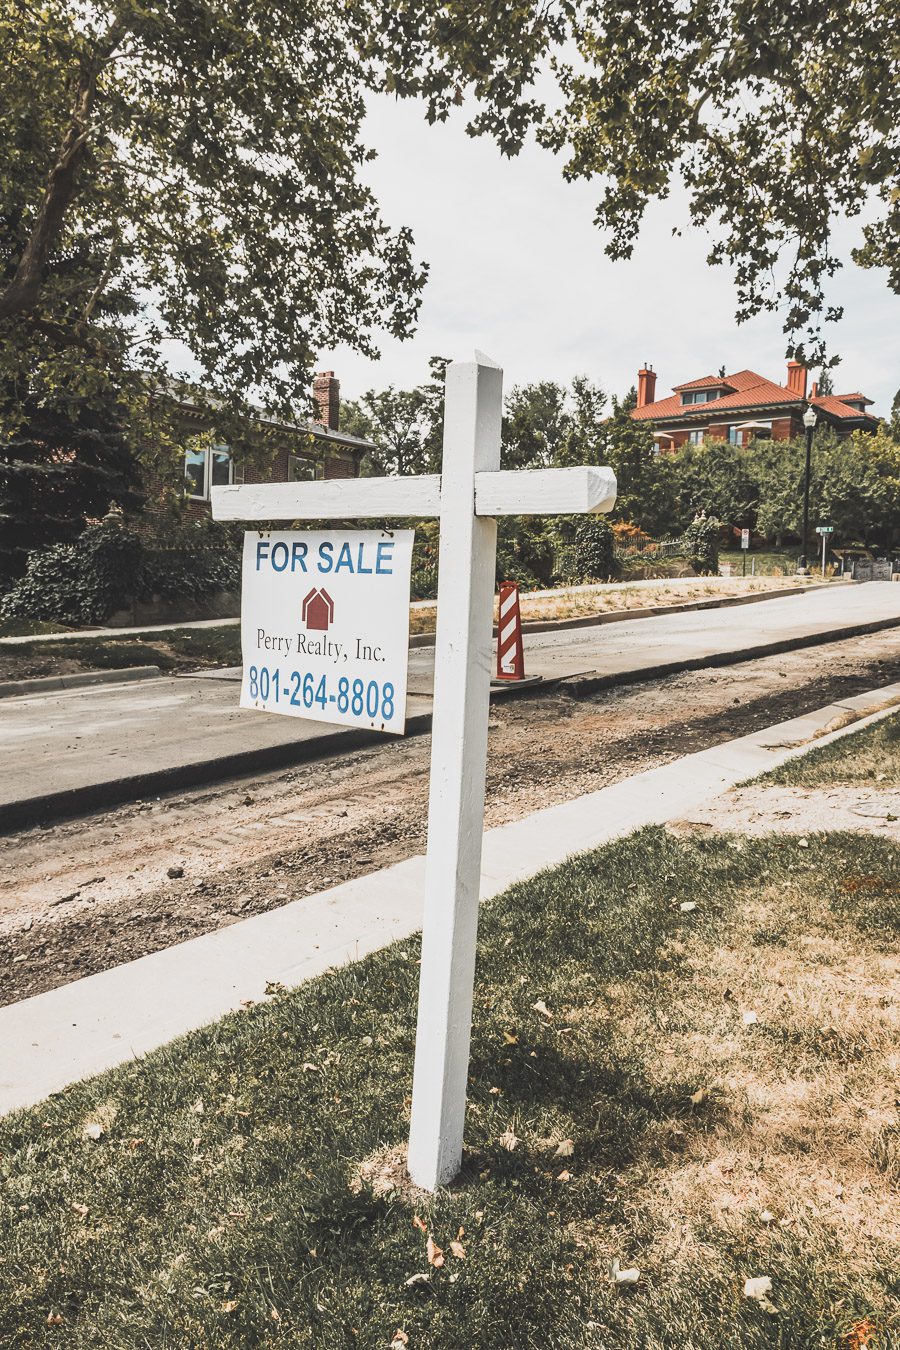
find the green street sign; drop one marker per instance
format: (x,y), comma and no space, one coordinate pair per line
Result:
(824,529)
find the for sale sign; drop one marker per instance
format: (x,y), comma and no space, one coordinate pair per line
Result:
(325,625)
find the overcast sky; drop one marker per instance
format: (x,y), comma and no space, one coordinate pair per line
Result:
(518,270)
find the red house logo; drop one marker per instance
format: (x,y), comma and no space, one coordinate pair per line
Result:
(318,610)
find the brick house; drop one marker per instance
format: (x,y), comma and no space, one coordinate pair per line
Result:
(300,451)
(743,407)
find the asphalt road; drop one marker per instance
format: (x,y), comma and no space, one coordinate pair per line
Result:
(70,751)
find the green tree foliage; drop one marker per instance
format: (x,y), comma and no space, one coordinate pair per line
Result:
(406,425)
(208,157)
(547,425)
(646,481)
(714,477)
(777,467)
(775,120)
(63,462)
(854,485)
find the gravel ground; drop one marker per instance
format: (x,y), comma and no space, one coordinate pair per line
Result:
(84,895)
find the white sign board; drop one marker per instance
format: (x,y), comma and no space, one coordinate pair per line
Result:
(745,538)
(325,625)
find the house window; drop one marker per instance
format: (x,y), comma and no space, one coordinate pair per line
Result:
(699,396)
(734,435)
(695,437)
(206,468)
(301,470)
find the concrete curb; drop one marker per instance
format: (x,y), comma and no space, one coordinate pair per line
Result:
(52,806)
(43,684)
(82,1028)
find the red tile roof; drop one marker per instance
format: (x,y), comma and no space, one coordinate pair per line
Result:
(857,398)
(750,391)
(830,403)
(707,382)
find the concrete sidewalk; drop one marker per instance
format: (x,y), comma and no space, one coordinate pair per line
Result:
(75,751)
(93,1024)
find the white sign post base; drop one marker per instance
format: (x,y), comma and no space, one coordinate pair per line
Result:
(462,690)
(470,493)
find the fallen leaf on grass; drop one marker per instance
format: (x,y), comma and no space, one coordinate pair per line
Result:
(564,1176)
(510,1039)
(699,1097)
(687,906)
(420,1278)
(565,1150)
(229,1305)
(619,1276)
(749,1018)
(458,1250)
(434,1253)
(759,1288)
(198,1108)
(420,1223)
(767,1216)
(541,1007)
(508,1140)
(400,1340)
(93,1131)
(81,1210)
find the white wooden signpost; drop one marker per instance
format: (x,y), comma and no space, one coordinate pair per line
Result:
(467,497)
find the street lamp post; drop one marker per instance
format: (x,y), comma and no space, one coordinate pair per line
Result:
(809,421)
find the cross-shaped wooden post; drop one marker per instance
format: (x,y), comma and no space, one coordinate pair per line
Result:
(468,496)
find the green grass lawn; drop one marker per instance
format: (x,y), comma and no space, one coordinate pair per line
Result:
(870,756)
(702,1094)
(768,562)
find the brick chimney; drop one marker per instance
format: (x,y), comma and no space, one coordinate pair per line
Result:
(327,393)
(796,378)
(646,386)
(814,392)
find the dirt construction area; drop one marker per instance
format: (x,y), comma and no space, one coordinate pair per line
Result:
(83,895)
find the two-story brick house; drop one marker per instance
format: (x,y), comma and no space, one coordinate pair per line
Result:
(743,407)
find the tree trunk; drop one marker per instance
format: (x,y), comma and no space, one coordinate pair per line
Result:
(23,292)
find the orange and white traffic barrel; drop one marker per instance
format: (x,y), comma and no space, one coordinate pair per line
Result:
(510,652)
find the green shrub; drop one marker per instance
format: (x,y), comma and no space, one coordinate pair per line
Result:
(700,544)
(589,552)
(78,583)
(109,567)
(188,573)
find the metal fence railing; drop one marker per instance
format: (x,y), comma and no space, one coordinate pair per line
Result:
(649,549)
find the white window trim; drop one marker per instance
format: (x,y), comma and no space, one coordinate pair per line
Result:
(207,472)
(305,459)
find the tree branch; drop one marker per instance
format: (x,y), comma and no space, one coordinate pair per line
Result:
(23,292)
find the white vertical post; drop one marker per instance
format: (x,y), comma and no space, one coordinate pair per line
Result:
(824,537)
(468,547)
